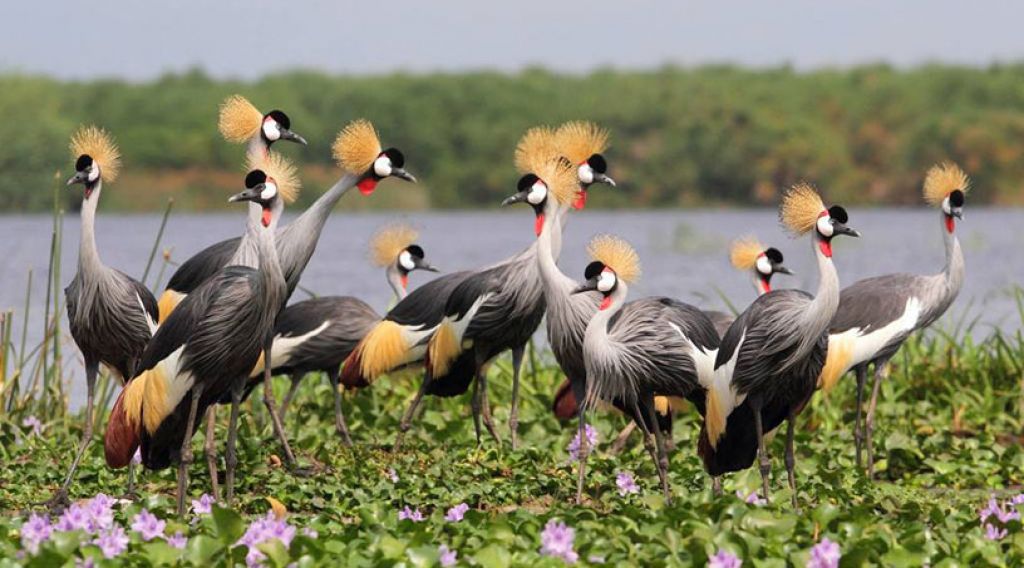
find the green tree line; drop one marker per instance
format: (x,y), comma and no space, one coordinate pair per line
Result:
(680,137)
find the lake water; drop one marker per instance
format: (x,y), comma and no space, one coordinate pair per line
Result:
(684,253)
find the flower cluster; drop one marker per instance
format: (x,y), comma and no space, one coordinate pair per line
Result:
(203,505)
(825,554)
(995,516)
(263,530)
(574,446)
(751,498)
(409,514)
(447,557)
(557,540)
(626,484)
(724,559)
(456,513)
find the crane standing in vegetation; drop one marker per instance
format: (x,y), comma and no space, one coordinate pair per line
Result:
(770,357)
(876,315)
(112,316)
(210,343)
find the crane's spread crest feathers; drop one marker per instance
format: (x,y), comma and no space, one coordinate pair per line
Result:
(801,207)
(388,242)
(560,178)
(282,170)
(356,146)
(943,179)
(99,145)
(538,144)
(578,140)
(744,252)
(239,120)
(616,254)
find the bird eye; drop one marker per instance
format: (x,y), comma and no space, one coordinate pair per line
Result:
(538,192)
(382,166)
(269,190)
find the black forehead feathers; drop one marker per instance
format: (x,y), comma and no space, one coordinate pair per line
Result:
(415,250)
(254,178)
(526,182)
(774,255)
(83,162)
(593,269)
(396,157)
(956,198)
(597,163)
(280,118)
(838,214)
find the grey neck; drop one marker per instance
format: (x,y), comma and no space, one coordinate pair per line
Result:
(758,282)
(311,222)
(815,319)
(954,269)
(257,147)
(88,255)
(394,278)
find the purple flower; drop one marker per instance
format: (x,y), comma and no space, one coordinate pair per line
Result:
(75,518)
(310,532)
(1018,499)
(994,533)
(177,541)
(203,505)
(456,513)
(724,559)
(35,531)
(626,484)
(393,475)
(85,562)
(101,512)
(413,515)
(448,557)
(1004,513)
(34,425)
(557,540)
(262,530)
(574,445)
(147,525)
(825,554)
(751,498)
(137,458)
(112,542)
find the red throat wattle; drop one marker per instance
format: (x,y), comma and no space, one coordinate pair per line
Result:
(266,217)
(581,200)
(768,285)
(367,185)
(538,224)
(405,281)
(606,303)
(950,223)
(826,248)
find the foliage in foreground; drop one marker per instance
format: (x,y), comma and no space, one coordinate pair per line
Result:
(948,441)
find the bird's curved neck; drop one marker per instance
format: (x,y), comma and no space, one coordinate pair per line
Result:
(597,329)
(549,244)
(954,269)
(88,254)
(826,299)
(311,222)
(761,285)
(257,148)
(397,281)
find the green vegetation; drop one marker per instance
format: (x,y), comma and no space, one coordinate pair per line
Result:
(680,137)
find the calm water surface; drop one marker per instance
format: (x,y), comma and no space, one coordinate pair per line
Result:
(683,253)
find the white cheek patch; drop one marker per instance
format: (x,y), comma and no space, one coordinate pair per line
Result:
(825,226)
(764,266)
(269,191)
(946,208)
(405,261)
(382,166)
(538,192)
(585,173)
(606,281)
(94,173)
(271,130)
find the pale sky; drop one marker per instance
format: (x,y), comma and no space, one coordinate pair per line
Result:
(141,39)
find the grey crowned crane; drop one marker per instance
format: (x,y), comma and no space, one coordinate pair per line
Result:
(209,344)
(636,350)
(112,316)
(876,315)
(319,334)
(770,357)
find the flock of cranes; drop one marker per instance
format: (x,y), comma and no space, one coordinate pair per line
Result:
(222,327)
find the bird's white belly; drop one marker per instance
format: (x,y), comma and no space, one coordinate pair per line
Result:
(853,347)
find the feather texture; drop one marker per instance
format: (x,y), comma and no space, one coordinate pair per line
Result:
(356,146)
(616,254)
(579,140)
(744,252)
(99,145)
(282,170)
(239,120)
(536,146)
(801,207)
(943,179)
(388,242)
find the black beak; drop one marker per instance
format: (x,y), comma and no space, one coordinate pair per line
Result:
(587,286)
(779,269)
(401,173)
(424,265)
(79,177)
(250,194)
(601,178)
(958,213)
(292,136)
(841,229)
(517,198)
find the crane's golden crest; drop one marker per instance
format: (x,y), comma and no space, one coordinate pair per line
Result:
(943,179)
(99,145)
(560,178)
(388,242)
(536,146)
(616,254)
(356,146)
(801,207)
(744,252)
(239,120)
(579,140)
(282,170)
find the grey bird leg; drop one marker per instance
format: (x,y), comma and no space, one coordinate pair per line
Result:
(131,481)
(230,455)
(513,417)
(858,433)
(295,378)
(475,405)
(186,450)
(762,452)
(406,422)
(275,419)
(662,461)
(716,486)
(485,405)
(584,452)
(869,422)
(790,457)
(210,449)
(60,498)
(620,441)
(339,415)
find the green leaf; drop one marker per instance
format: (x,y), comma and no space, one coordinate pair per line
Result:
(228,524)
(493,556)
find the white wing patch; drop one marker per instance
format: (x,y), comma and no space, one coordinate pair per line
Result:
(282,348)
(149,319)
(460,325)
(722,399)
(865,346)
